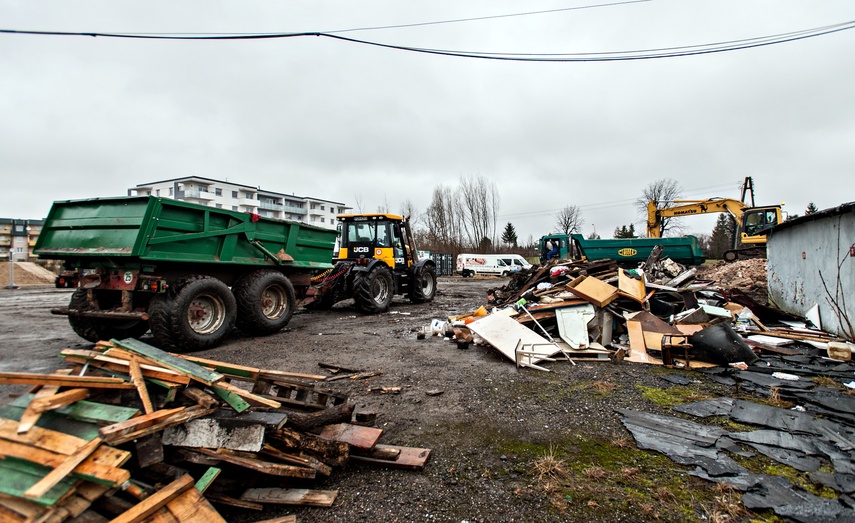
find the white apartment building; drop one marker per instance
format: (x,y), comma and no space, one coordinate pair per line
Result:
(244,198)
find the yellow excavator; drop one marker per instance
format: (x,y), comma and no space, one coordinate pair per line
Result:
(751,221)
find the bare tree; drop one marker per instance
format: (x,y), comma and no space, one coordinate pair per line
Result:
(357,199)
(478,206)
(662,193)
(442,222)
(409,209)
(385,206)
(569,219)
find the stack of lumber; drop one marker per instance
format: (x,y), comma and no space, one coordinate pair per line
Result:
(132,433)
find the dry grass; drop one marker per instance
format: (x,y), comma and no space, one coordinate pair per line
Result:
(596,473)
(624,442)
(603,387)
(549,467)
(728,506)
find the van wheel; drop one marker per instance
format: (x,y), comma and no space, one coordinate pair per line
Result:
(265,302)
(423,285)
(504,273)
(372,291)
(196,315)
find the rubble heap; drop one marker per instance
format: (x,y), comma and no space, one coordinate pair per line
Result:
(134,433)
(666,314)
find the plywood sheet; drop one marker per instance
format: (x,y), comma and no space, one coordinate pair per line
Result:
(593,290)
(506,335)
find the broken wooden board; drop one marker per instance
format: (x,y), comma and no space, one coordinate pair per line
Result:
(265,467)
(279,496)
(156,501)
(406,457)
(119,433)
(506,335)
(630,287)
(190,507)
(593,290)
(91,382)
(354,435)
(215,433)
(97,359)
(195,371)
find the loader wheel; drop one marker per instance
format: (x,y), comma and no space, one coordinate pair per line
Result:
(196,315)
(730,256)
(265,302)
(372,291)
(96,329)
(424,285)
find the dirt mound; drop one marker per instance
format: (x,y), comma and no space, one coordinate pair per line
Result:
(26,273)
(749,276)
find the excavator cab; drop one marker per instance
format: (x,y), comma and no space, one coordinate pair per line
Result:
(755,221)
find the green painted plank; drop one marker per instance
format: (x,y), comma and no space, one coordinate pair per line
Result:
(197,372)
(207,478)
(58,422)
(16,476)
(85,410)
(232,399)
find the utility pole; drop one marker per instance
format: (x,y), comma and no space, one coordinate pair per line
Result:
(11,270)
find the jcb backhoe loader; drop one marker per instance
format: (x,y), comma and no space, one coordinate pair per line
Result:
(375,259)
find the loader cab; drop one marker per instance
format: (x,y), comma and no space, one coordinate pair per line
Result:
(373,236)
(756,221)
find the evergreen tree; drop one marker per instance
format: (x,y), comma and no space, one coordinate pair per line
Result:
(722,236)
(625,232)
(509,236)
(811,209)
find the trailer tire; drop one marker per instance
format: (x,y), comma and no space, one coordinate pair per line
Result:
(730,256)
(197,314)
(424,285)
(372,290)
(96,329)
(265,302)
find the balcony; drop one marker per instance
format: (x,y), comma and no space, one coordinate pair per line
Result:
(271,206)
(193,194)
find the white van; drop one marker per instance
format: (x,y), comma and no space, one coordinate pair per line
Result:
(493,264)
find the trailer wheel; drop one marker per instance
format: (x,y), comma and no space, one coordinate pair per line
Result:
(196,315)
(372,291)
(730,256)
(96,329)
(424,285)
(265,302)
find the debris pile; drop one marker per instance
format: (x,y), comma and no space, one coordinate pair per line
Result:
(659,313)
(133,433)
(666,314)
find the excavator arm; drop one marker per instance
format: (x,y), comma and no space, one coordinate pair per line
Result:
(691,207)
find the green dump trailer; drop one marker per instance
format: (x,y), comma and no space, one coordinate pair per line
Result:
(625,251)
(187,272)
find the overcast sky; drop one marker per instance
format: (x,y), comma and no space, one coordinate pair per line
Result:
(84,117)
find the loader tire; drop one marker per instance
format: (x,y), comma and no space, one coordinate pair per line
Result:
(424,285)
(197,314)
(372,291)
(97,329)
(265,302)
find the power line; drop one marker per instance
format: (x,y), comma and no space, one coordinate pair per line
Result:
(643,54)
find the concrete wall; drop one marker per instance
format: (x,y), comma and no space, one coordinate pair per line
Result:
(808,251)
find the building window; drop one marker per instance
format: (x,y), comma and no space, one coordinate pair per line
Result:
(234,194)
(19,228)
(218,191)
(203,188)
(157,191)
(219,206)
(170,191)
(323,220)
(234,207)
(323,208)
